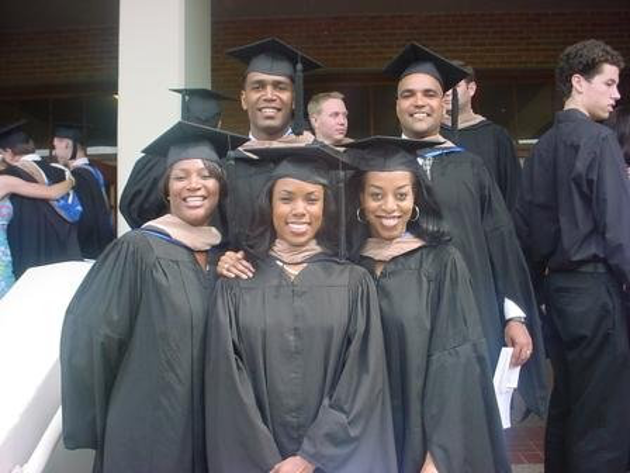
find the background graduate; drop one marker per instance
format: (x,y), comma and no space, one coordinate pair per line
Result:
(296,376)
(443,403)
(132,346)
(481,136)
(95,226)
(11,185)
(40,232)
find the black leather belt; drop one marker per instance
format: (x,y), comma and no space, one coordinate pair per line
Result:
(587,267)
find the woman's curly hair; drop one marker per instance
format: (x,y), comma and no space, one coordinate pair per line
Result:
(585,58)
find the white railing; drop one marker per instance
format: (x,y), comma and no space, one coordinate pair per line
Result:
(91,151)
(45,447)
(31,317)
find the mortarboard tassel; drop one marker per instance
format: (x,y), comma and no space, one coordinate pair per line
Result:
(183,107)
(299,123)
(454,112)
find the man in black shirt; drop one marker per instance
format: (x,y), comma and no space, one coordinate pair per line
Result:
(572,217)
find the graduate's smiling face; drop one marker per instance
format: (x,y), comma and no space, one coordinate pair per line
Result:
(193,192)
(297,209)
(420,106)
(387,202)
(269,101)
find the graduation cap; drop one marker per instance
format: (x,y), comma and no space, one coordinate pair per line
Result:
(382,153)
(201,105)
(12,135)
(187,140)
(272,56)
(415,58)
(312,163)
(71,131)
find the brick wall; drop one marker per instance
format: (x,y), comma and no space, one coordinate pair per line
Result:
(485,40)
(49,58)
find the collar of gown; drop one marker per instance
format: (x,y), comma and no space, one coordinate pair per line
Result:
(197,238)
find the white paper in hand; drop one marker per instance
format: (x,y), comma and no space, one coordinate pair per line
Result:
(505,382)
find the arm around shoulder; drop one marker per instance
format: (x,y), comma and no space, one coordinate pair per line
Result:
(13,185)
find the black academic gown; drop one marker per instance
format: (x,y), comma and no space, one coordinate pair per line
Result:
(494,145)
(132,354)
(483,232)
(95,225)
(142,199)
(37,234)
(298,368)
(441,386)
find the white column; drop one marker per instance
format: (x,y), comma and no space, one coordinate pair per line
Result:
(197,47)
(162,44)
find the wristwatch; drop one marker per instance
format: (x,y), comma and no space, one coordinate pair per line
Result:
(516,319)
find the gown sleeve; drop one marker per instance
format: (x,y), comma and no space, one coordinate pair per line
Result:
(461,419)
(237,438)
(353,428)
(512,280)
(95,334)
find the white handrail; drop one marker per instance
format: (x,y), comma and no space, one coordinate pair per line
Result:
(92,150)
(31,319)
(45,447)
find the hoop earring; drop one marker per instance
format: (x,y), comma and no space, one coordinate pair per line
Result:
(418,214)
(359,216)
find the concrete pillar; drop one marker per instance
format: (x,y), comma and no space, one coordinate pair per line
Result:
(162,44)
